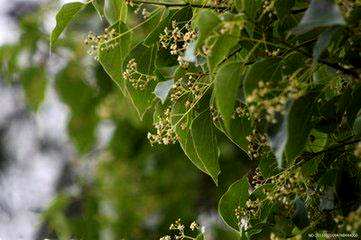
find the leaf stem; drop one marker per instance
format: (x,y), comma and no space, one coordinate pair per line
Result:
(182,5)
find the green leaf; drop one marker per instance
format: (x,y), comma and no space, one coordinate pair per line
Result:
(73,90)
(206,22)
(299,125)
(115,10)
(34,83)
(271,70)
(321,13)
(181,121)
(163,88)
(226,87)
(112,59)
(163,20)
(63,18)
(205,143)
(264,70)
(82,101)
(99,7)
(145,57)
(239,129)
(236,196)
(300,217)
(292,134)
(249,9)
(220,46)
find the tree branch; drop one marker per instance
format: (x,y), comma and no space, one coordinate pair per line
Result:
(181,5)
(336,66)
(310,156)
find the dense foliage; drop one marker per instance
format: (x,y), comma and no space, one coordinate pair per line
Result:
(279,79)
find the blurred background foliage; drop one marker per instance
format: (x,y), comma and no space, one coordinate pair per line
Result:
(125,188)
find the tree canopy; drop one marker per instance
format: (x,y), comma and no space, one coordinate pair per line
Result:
(279,82)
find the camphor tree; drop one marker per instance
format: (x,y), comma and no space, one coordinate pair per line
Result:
(280,79)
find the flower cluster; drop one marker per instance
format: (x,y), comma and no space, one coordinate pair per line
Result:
(188,84)
(256,179)
(129,2)
(241,111)
(180,228)
(273,53)
(137,79)
(101,42)
(230,26)
(289,184)
(177,40)
(257,144)
(352,222)
(216,116)
(164,132)
(243,214)
(265,101)
(143,11)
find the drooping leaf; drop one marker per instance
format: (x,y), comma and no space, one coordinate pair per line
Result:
(263,70)
(226,87)
(299,125)
(205,143)
(80,98)
(63,18)
(145,58)
(292,135)
(321,13)
(220,46)
(112,59)
(300,217)
(235,197)
(181,122)
(271,70)
(163,88)
(115,10)
(163,20)
(206,22)
(249,9)
(34,83)
(73,90)
(239,128)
